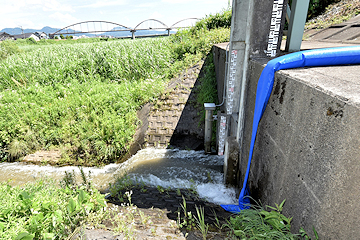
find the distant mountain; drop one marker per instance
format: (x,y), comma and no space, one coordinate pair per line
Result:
(49,30)
(16,31)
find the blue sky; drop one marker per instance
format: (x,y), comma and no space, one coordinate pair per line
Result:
(61,13)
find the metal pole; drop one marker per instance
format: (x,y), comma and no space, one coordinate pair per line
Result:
(299,9)
(209,108)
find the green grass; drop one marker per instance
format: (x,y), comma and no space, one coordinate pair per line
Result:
(42,210)
(8,48)
(268,222)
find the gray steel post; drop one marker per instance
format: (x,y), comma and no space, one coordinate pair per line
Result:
(133,34)
(209,108)
(299,9)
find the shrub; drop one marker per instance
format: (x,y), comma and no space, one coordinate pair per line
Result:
(190,41)
(214,21)
(31,40)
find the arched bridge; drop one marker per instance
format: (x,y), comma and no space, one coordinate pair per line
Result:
(148,27)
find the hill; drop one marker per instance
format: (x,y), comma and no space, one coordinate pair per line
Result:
(335,13)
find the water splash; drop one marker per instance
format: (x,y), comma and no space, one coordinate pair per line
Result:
(156,167)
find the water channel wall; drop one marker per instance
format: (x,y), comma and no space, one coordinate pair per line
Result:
(307,149)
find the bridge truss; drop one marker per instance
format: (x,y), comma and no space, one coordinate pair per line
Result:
(148,27)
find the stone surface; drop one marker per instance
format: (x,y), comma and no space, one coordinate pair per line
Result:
(52,157)
(174,120)
(346,32)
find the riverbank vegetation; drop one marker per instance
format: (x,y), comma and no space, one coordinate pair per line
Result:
(43,210)
(82,98)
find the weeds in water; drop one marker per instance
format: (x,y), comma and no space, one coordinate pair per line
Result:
(160,189)
(188,220)
(200,221)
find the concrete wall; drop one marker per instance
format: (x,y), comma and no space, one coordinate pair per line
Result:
(307,148)
(219,56)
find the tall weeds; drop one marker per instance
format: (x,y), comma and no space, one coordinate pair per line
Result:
(79,98)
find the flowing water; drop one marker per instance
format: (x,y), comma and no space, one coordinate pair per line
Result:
(156,167)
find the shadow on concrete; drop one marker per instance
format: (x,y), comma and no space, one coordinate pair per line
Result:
(189,132)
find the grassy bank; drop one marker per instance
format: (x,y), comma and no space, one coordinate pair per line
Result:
(82,98)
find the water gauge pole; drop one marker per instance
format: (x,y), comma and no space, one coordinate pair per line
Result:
(256,31)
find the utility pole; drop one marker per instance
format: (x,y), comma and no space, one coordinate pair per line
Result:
(22,31)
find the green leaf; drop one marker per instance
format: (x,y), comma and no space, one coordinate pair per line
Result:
(315,233)
(100,199)
(25,236)
(238,233)
(281,205)
(48,236)
(82,196)
(71,207)
(24,195)
(2,226)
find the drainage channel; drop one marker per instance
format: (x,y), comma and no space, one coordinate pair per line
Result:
(168,168)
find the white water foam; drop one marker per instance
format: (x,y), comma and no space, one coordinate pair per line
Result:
(157,167)
(183,169)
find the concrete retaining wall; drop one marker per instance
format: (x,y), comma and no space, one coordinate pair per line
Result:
(307,148)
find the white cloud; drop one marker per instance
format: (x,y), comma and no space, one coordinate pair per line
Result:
(100,4)
(147,5)
(64,18)
(156,15)
(54,5)
(198,1)
(177,1)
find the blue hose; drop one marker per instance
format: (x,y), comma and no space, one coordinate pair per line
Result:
(309,58)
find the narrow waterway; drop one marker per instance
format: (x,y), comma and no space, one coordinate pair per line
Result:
(156,167)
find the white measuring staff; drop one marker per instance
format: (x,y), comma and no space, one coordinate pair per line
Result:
(274,40)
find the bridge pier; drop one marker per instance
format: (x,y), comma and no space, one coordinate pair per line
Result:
(133,34)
